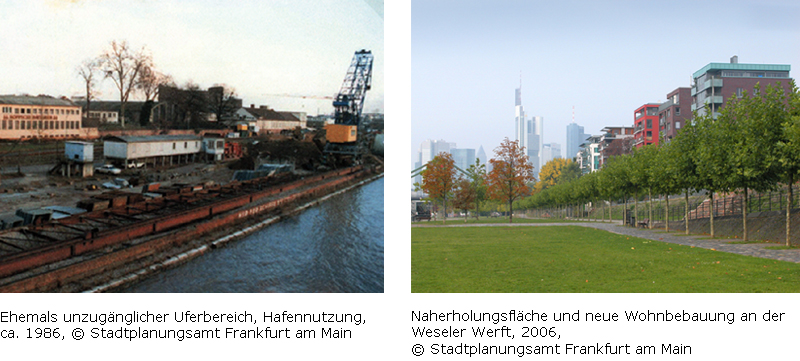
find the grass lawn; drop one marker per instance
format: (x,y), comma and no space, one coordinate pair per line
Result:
(580,259)
(494,220)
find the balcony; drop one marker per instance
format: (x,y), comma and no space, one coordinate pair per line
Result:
(716,83)
(717,99)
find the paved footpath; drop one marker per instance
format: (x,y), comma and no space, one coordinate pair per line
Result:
(750,249)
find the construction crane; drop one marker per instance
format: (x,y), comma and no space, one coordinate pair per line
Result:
(343,136)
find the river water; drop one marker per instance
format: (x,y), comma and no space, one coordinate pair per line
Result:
(336,246)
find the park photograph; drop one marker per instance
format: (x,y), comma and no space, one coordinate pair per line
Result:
(617,168)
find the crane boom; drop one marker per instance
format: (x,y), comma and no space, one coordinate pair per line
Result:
(342,135)
(350,100)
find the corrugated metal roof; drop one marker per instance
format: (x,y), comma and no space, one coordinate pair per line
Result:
(38,100)
(154,138)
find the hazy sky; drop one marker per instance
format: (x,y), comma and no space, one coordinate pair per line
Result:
(606,58)
(260,48)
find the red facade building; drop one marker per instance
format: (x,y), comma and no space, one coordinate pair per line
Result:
(645,125)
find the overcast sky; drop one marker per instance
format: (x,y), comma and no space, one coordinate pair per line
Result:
(606,58)
(260,48)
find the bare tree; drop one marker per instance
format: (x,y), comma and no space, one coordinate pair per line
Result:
(88,71)
(222,101)
(123,65)
(149,83)
(192,104)
(150,80)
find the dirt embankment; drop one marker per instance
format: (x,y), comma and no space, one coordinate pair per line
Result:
(761,226)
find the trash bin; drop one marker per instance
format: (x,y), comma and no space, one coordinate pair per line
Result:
(632,221)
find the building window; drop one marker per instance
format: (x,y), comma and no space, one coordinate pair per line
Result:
(173,145)
(185,145)
(677,111)
(649,123)
(677,125)
(4,125)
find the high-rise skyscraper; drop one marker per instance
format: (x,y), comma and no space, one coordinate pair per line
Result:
(521,125)
(484,159)
(463,158)
(528,132)
(535,143)
(575,137)
(550,151)
(430,149)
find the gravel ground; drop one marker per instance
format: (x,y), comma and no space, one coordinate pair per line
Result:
(38,189)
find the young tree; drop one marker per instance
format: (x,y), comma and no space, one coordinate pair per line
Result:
(638,170)
(88,71)
(510,174)
(123,65)
(477,176)
(464,196)
(714,170)
(438,179)
(753,126)
(680,165)
(788,148)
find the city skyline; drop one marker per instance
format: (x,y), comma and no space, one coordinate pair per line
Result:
(295,61)
(601,59)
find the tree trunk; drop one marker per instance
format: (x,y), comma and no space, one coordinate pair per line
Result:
(624,211)
(712,213)
(687,211)
(635,208)
(510,212)
(444,207)
(666,220)
(744,216)
(650,208)
(789,210)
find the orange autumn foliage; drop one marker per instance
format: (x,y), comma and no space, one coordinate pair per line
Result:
(439,178)
(510,175)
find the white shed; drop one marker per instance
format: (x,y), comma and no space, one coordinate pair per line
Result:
(153,149)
